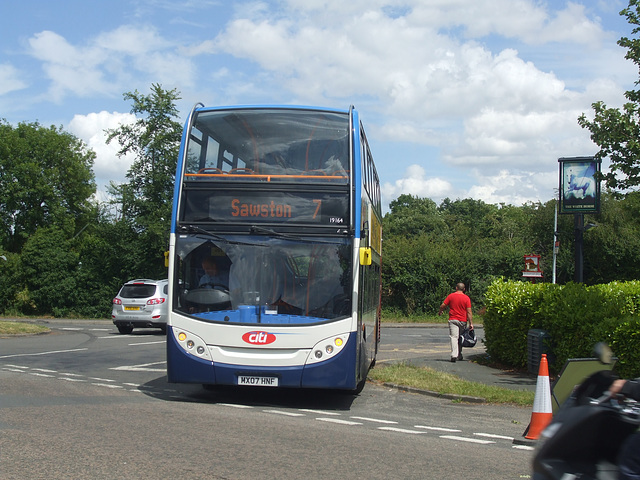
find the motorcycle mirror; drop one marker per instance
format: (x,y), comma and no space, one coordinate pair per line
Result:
(603,352)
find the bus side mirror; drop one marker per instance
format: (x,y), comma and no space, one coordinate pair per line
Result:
(365,256)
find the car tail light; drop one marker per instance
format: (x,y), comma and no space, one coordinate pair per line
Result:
(155,301)
(117,301)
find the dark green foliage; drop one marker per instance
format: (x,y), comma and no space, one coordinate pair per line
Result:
(49,272)
(70,256)
(616,131)
(511,308)
(428,249)
(575,316)
(45,179)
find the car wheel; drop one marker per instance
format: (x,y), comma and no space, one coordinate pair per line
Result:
(125,330)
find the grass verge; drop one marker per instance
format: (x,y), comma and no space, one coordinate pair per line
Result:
(392,318)
(21,328)
(426,378)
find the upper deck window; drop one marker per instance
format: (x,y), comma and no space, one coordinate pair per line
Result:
(270,145)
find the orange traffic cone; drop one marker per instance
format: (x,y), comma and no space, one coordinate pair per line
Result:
(542,412)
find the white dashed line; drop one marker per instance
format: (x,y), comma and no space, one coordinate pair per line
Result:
(319,412)
(522,447)
(438,429)
(145,367)
(234,405)
(107,385)
(466,439)
(490,435)
(287,414)
(375,420)
(401,430)
(43,353)
(337,420)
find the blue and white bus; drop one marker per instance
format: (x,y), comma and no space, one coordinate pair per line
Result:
(275,250)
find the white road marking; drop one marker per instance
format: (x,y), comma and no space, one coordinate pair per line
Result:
(319,412)
(438,429)
(491,435)
(101,379)
(145,367)
(71,379)
(466,439)
(36,374)
(44,370)
(523,447)
(287,414)
(146,343)
(400,430)
(376,420)
(43,353)
(107,385)
(234,405)
(337,420)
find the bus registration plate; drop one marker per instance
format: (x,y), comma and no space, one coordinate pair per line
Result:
(257,381)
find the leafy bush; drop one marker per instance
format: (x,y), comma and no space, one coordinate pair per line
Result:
(575,316)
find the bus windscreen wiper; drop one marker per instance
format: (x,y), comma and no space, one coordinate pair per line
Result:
(288,236)
(201,231)
(273,233)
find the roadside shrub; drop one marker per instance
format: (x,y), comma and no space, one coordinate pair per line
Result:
(574,315)
(510,314)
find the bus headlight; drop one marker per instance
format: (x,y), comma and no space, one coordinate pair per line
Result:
(327,348)
(191,344)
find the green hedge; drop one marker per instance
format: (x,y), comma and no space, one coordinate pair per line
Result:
(574,315)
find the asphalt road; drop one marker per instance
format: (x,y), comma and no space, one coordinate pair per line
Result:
(87,402)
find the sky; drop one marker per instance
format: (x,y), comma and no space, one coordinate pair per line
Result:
(460,98)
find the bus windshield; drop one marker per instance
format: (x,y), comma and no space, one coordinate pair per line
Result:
(263,278)
(267,144)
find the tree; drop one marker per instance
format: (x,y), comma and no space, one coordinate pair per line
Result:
(411,215)
(154,139)
(146,198)
(46,179)
(49,268)
(615,131)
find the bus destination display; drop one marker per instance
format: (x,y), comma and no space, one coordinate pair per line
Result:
(267,207)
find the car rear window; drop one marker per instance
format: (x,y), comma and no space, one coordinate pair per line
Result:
(137,291)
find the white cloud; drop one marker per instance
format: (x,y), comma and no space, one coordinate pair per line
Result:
(465,97)
(110,63)
(108,165)
(514,189)
(10,80)
(415,182)
(430,74)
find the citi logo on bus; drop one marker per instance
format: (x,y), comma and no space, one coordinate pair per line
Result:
(259,338)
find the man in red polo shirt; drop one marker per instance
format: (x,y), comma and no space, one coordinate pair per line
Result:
(459,317)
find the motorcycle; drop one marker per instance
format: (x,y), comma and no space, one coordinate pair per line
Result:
(584,438)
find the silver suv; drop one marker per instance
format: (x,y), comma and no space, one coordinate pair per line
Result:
(141,303)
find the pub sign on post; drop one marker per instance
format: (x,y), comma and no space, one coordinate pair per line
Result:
(579,188)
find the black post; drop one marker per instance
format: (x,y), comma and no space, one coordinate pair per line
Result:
(579,234)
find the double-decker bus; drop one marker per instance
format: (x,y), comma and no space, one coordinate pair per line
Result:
(275,249)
